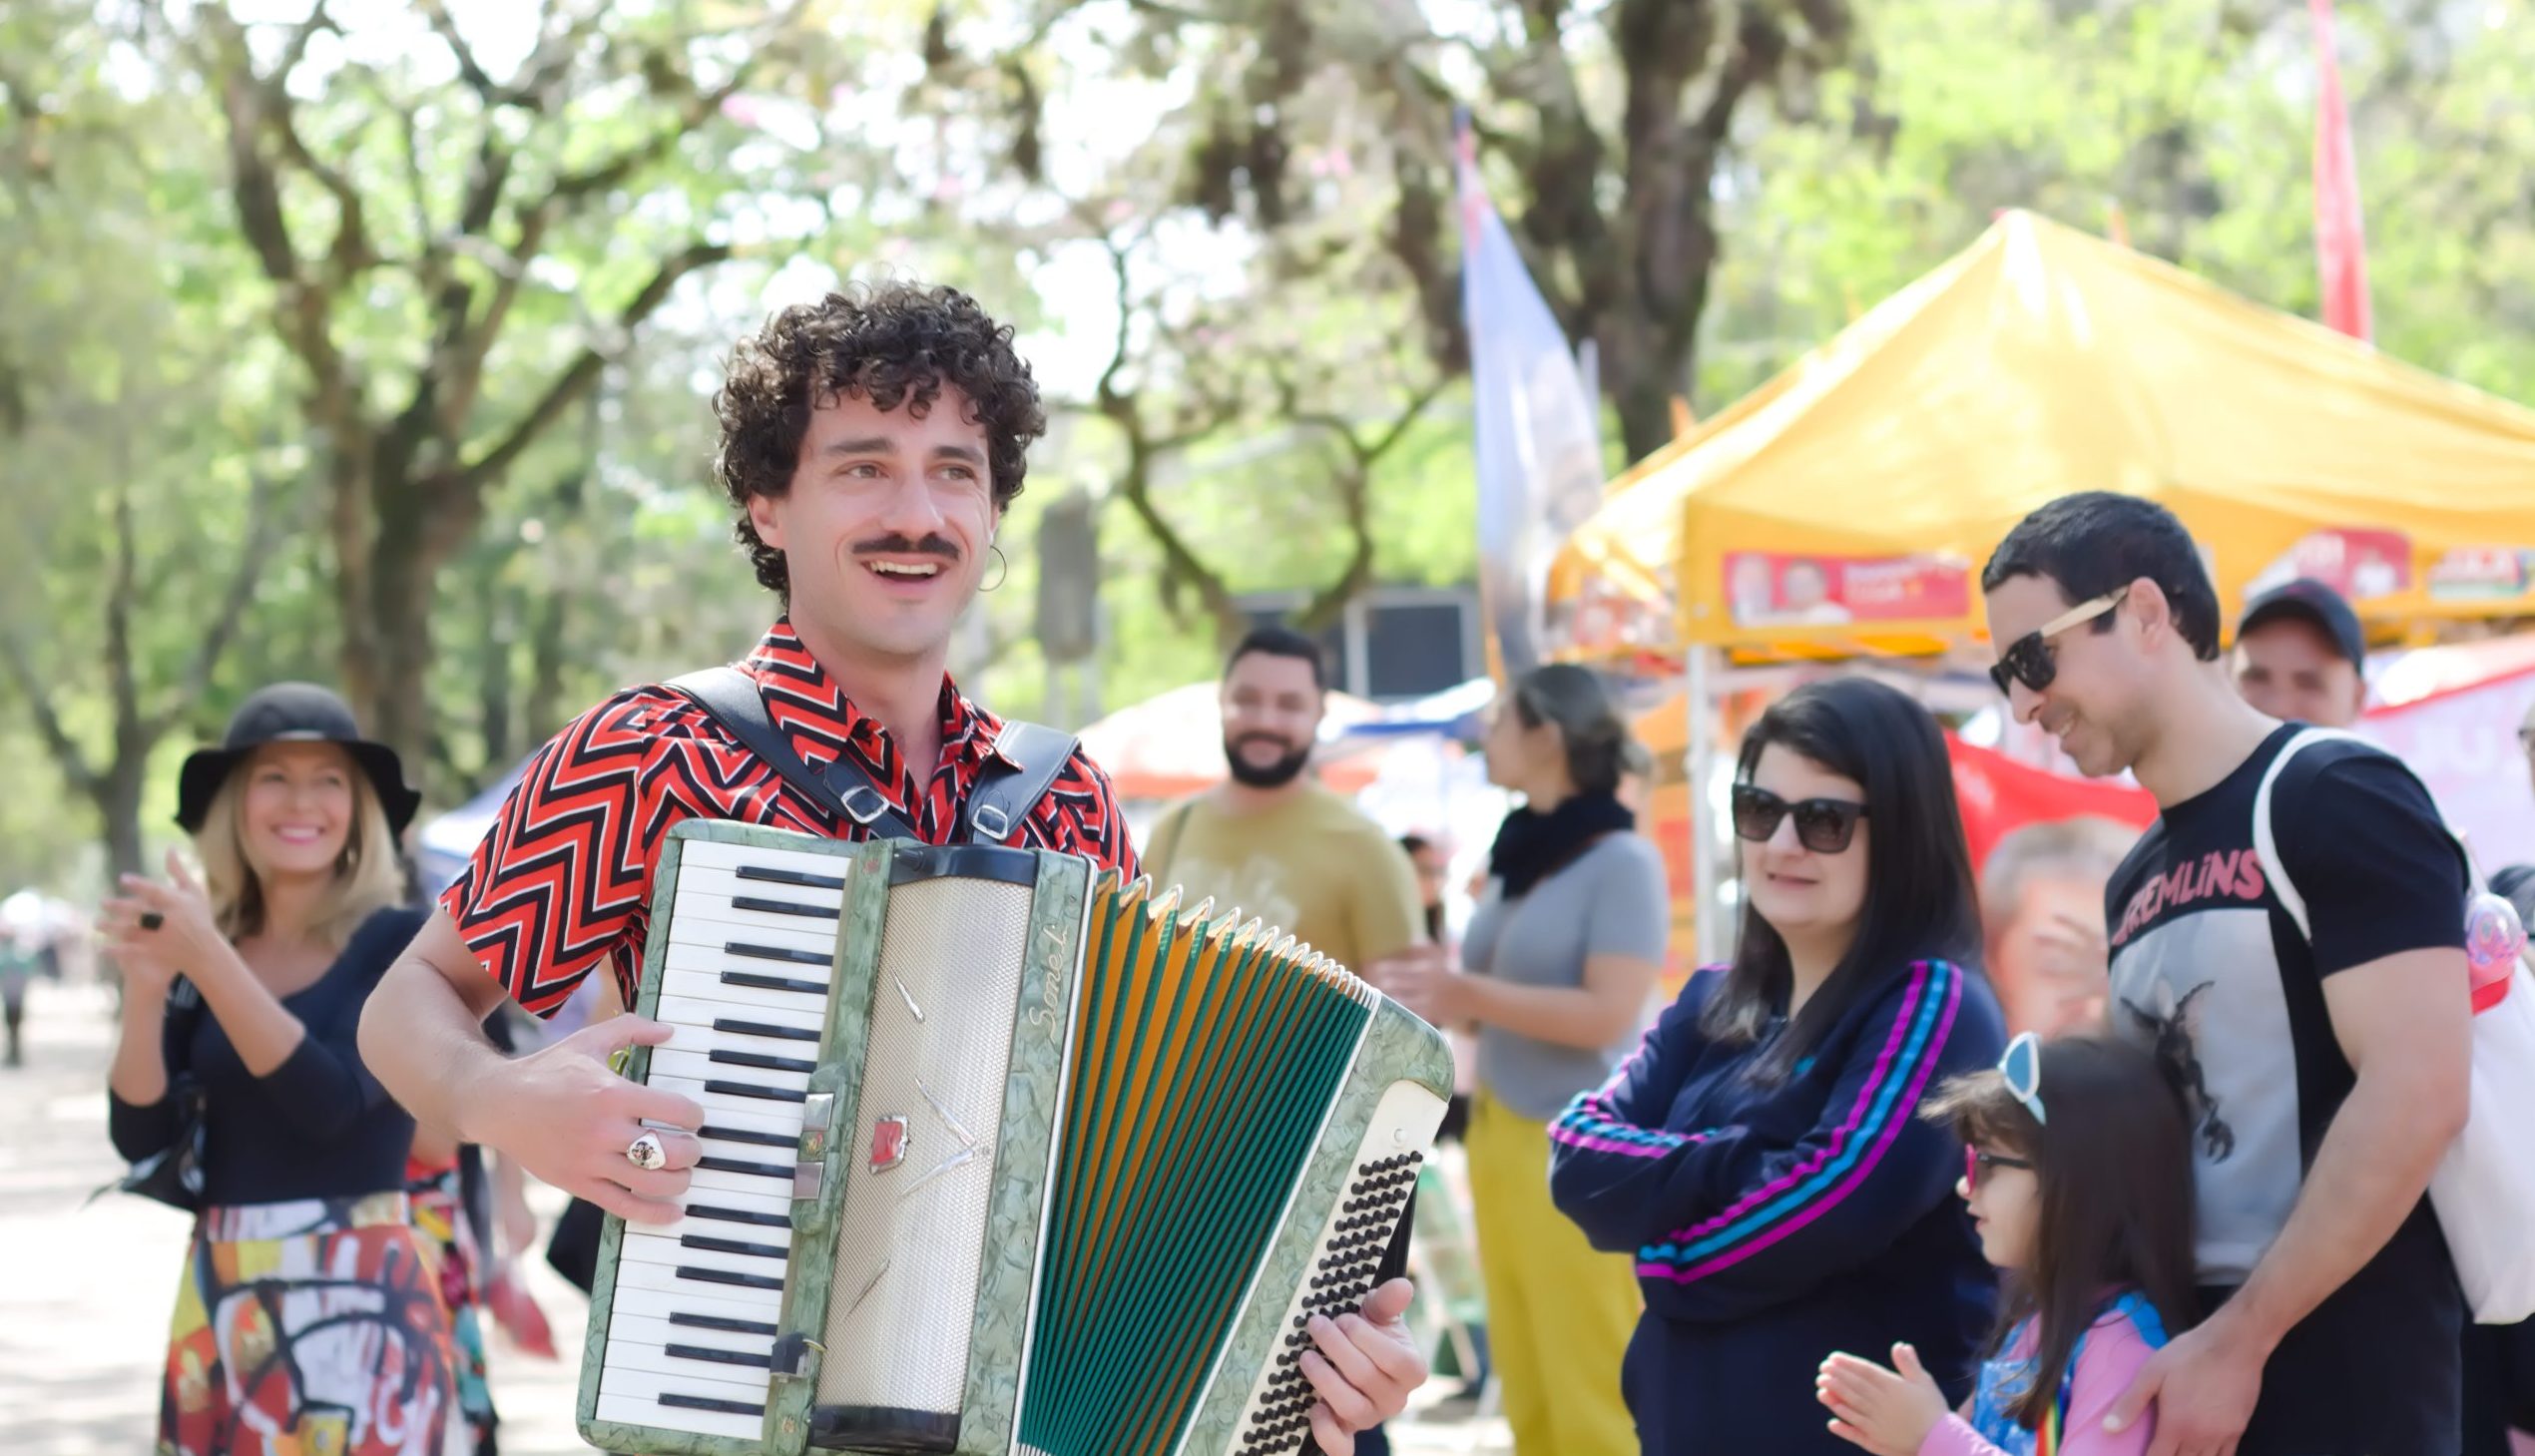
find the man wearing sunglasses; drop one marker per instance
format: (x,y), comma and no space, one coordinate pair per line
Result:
(2325,1072)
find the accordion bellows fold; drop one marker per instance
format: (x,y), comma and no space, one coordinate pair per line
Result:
(1071,1168)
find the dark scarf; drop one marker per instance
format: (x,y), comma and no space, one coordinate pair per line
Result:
(1531,846)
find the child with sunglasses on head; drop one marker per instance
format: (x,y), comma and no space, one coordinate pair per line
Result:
(2078,1171)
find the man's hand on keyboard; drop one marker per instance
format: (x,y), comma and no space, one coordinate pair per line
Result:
(567,1117)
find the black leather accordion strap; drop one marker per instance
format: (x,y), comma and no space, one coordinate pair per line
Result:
(843,791)
(1003,795)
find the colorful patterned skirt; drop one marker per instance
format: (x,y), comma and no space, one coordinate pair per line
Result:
(310,1329)
(440,1218)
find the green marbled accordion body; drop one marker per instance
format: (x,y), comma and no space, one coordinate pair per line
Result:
(1002,1157)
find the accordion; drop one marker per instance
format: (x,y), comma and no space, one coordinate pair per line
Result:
(1001,1154)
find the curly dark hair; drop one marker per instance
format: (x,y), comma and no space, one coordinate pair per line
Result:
(893,343)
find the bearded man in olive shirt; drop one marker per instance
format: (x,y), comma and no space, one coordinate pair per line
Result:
(1273,841)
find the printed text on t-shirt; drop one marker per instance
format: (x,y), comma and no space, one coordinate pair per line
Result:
(2234,874)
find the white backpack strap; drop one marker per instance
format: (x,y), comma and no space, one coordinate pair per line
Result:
(2267,840)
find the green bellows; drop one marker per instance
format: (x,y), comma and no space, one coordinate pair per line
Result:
(1205,1061)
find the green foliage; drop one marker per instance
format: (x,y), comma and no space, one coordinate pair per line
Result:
(1225,233)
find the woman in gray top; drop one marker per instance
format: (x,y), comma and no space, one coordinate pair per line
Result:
(1558,965)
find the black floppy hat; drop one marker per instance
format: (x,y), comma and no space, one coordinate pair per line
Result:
(296,713)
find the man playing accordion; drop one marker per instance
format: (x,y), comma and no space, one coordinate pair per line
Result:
(870,444)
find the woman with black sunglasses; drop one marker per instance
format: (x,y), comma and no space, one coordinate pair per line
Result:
(1758,1155)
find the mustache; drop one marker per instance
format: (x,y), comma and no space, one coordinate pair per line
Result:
(894,545)
(1274,740)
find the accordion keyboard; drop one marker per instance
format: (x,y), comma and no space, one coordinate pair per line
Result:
(751,939)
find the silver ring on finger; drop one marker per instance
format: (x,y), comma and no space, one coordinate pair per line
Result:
(647,1154)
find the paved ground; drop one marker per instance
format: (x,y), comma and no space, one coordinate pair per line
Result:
(85,1288)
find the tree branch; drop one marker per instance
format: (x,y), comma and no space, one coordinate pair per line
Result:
(474,74)
(263,534)
(583,371)
(351,251)
(571,187)
(300,307)
(122,592)
(48,723)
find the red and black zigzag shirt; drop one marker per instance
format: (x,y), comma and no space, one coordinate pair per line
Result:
(564,878)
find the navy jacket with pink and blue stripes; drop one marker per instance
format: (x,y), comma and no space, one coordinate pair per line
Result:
(1773,1224)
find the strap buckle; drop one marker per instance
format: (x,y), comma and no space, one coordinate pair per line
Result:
(990,821)
(864,804)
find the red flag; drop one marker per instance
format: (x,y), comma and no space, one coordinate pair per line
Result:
(2341,241)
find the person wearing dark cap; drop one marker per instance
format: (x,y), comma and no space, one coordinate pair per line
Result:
(243,994)
(2299,655)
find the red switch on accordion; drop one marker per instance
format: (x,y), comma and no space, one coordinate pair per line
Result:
(888,1142)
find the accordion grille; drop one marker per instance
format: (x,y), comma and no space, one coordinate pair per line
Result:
(909,1240)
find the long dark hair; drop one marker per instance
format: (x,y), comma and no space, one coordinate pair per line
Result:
(1920,902)
(2112,1158)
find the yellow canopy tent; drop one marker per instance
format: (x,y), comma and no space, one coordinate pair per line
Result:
(1846,505)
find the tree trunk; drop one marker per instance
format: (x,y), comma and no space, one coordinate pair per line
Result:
(1641,384)
(423,523)
(399,626)
(542,715)
(117,795)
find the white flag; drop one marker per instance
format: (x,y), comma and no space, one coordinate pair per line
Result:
(1537,421)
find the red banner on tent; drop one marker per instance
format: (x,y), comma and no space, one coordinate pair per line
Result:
(1999,795)
(1767,589)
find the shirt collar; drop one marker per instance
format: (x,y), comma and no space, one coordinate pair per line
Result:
(781,664)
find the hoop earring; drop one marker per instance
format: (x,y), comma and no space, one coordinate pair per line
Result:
(999,561)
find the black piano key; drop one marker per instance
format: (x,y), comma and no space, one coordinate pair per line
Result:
(718,1357)
(725,1277)
(774,875)
(772,983)
(760,1029)
(724,1324)
(783,907)
(746,1135)
(744,1167)
(706,1402)
(761,1094)
(777,953)
(763,1061)
(738,1216)
(732,1245)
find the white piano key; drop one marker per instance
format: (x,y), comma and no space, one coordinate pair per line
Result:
(700,927)
(817,864)
(764,1115)
(730,885)
(728,998)
(779,1161)
(753,1200)
(699,1066)
(751,1303)
(708,1182)
(659,1330)
(644,1410)
(658,1305)
(651,1385)
(698,1376)
(696,1015)
(721,965)
(675,1253)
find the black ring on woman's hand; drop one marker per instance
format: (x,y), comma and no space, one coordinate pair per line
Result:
(152,919)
